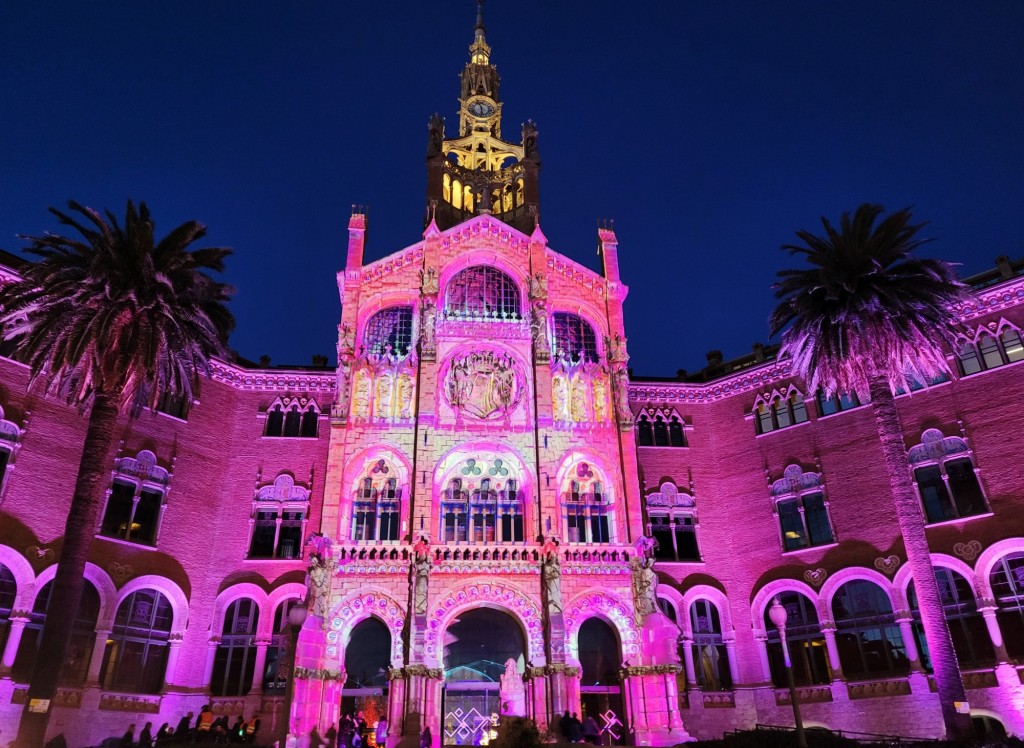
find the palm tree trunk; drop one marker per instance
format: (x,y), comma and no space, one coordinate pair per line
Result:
(69,581)
(910,517)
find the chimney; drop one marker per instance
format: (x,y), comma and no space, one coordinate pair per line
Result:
(320,361)
(1003,263)
(681,375)
(758,352)
(264,361)
(714,359)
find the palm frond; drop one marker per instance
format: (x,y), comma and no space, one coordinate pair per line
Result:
(866,306)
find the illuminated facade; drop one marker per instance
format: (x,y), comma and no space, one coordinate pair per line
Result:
(467,509)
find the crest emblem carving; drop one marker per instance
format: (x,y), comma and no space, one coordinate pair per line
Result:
(815,576)
(887,565)
(484,385)
(967,551)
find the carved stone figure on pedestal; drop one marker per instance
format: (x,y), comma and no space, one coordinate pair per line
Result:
(645,589)
(578,401)
(538,287)
(429,284)
(318,575)
(620,382)
(428,324)
(404,397)
(539,331)
(513,691)
(551,571)
(421,575)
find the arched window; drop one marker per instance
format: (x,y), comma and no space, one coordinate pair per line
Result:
(8,591)
(389,332)
(484,509)
(990,351)
(836,402)
(966,625)
(946,478)
(781,413)
(710,657)
(867,635)
(1007,580)
(802,510)
(235,660)
(574,339)
(660,432)
(676,435)
(279,514)
(136,499)
(482,293)
(806,643)
(455,512)
(377,504)
(310,420)
(673,524)
(275,421)
(644,432)
(135,660)
(83,635)
(588,511)
(292,421)
(279,651)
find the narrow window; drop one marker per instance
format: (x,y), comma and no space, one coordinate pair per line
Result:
(135,659)
(275,422)
(234,663)
(309,423)
(1012,347)
(644,432)
(968,360)
(676,437)
(292,421)
(709,653)
(660,432)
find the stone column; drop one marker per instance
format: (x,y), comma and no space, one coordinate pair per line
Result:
(396,705)
(691,673)
(761,641)
(99,646)
(988,612)
(17,621)
(211,654)
(173,651)
(734,667)
(675,720)
(330,700)
(259,667)
(906,624)
(829,632)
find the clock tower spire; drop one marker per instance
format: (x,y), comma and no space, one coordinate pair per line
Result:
(476,171)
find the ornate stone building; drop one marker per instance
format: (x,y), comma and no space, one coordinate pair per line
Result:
(480,511)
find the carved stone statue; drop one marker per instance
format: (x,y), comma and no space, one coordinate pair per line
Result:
(620,382)
(319,574)
(530,141)
(645,589)
(343,384)
(483,384)
(435,135)
(404,398)
(551,571)
(346,341)
(578,401)
(361,395)
(513,691)
(538,287)
(429,282)
(616,348)
(600,399)
(421,575)
(560,398)
(646,545)
(428,322)
(382,401)
(539,331)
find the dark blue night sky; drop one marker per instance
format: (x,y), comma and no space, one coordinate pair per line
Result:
(710,132)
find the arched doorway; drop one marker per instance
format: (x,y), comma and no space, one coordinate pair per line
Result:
(600,688)
(367,658)
(477,644)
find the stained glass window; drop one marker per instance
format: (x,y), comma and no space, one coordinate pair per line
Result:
(389,331)
(482,293)
(574,338)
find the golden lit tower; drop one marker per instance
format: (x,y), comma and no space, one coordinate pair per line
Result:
(476,171)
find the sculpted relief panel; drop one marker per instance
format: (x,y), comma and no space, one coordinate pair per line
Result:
(487,385)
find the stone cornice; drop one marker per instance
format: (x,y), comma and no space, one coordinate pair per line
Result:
(994,299)
(272,380)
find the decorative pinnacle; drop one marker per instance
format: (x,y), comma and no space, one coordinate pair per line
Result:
(480,28)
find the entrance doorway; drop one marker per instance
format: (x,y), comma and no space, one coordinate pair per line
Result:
(477,645)
(600,687)
(367,657)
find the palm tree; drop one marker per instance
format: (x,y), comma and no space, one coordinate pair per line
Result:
(867,317)
(109,320)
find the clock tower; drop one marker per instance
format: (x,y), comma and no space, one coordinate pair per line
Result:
(476,171)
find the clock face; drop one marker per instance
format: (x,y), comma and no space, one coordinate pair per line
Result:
(481,109)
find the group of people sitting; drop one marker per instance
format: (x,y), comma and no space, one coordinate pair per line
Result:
(352,732)
(208,728)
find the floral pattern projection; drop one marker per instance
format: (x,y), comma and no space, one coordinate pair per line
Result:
(486,385)
(383,369)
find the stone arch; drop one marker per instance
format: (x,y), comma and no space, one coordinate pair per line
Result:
(100,580)
(290,591)
(357,608)
(237,592)
(451,459)
(716,597)
(841,577)
(766,594)
(987,561)
(24,576)
(901,581)
(499,595)
(674,597)
(167,588)
(619,614)
(489,257)
(584,454)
